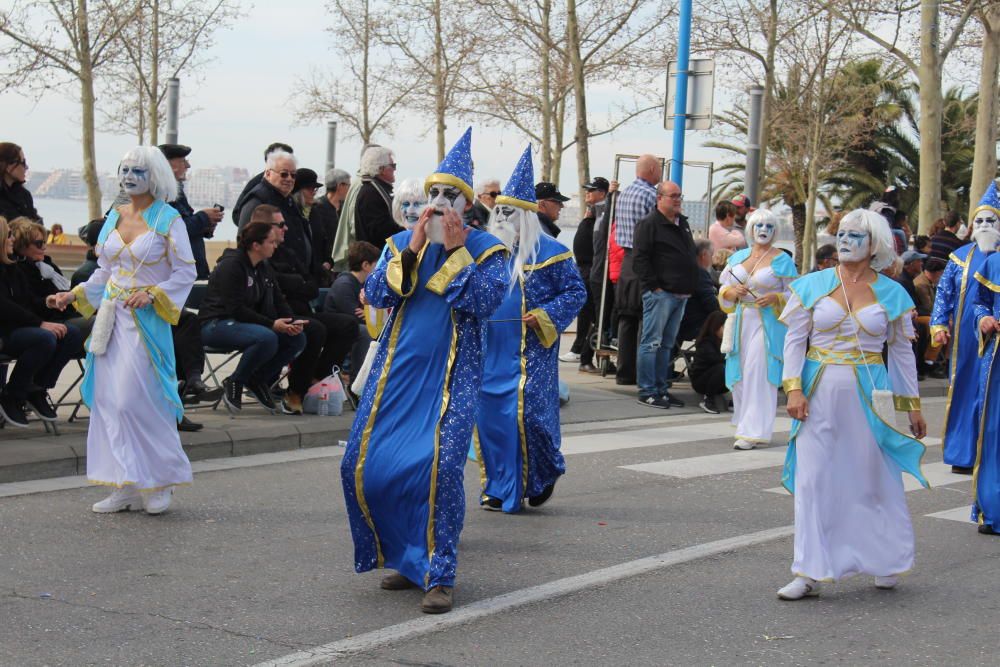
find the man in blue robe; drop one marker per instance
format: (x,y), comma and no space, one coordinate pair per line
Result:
(403,468)
(986,477)
(517,431)
(953,319)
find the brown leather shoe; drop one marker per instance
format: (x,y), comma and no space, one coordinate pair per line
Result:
(437,600)
(396,582)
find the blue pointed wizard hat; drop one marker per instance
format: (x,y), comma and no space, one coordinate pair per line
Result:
(456,167)
(520,188)
(990,200)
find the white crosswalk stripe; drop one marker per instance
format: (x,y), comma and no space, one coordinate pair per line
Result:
(962,514)
(714,464)
(655,437)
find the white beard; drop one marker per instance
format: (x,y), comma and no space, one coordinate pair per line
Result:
(435,230)
(987,239)
(506,232)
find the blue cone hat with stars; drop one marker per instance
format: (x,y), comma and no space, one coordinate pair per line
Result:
(990,200)
(520,189)
(456,167)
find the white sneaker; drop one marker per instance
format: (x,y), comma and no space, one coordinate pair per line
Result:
(743,444)
(799,588)
(125,498)
(569,356)
(886,583)
(157,502)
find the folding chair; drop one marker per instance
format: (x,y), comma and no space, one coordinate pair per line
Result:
(77,404)
(5,362)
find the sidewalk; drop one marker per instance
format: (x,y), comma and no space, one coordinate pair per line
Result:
(33,454)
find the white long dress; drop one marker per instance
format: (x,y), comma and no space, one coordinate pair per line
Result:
(850,508)
(755,398)
(132,439)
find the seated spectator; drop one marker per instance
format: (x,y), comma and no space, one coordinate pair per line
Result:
(304,198)
(57,237)
(88,234)
(826,257)
(329,336)
(244,309)
(15,199)
(345,296)
(913,264)
(33,334)
(255,180)
(946,241)
(922,244)
(705,300)
(723,233)
(373,207)
(324,217)
(925,287)
(708,369)
(719,260)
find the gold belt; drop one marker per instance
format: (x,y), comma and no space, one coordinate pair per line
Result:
(115,290)
(843,358)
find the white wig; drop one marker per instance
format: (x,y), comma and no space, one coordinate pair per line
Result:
(526,250)
(882,244)
(162,182)
(373,159)
(409,190)
(760,215)
(273,157)
(484,185)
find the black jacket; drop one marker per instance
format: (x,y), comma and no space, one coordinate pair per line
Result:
(296,283)
(199,228)
(16,201)
(663,255)
(298,236)
(703,302)
(373,220)
(601,226)
(344,296)
(20,304)
(41,287)
(548,225)
(707,355)
(240,291)
(238,207)
(478,216)
(324,218)
(583,247)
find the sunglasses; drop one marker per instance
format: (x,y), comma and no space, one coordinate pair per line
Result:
(40,243)
(391,165)
(279,225)
(492,194)
(286,174)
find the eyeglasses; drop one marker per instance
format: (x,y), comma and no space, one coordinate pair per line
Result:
(391,165)
(39,243)
(20,162)
(676,197)
(285,174)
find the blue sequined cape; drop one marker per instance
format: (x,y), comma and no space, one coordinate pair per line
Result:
(986,473)
(403,467)
(954,307)
(517,433)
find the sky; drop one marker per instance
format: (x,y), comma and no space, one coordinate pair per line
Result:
(245,98)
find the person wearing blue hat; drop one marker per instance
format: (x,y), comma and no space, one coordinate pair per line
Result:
(405,459)
(517,431)
(954,321)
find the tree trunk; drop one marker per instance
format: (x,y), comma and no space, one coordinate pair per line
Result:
(366,130)
(546,94)
(582,133)
(984,165)
(439,75)
(929,77)
(767,102)
(558,133)
(87,112)
(154,71)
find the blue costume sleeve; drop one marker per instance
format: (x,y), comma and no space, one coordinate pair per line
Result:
(477,288)
(946,298)
(377,289)
(566,296)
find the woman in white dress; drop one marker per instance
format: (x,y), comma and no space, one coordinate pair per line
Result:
(754,291)
(846,455)
(144,274)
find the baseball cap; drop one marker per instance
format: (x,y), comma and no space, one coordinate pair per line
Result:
(546,190)
(911,255)
(742,200)
(597,183)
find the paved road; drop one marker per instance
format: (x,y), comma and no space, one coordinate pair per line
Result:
(661,546)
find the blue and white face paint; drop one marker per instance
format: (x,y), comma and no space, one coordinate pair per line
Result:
(854,242)
(986,230)
(441,196)
(411,208)
(132,178)
(763,232)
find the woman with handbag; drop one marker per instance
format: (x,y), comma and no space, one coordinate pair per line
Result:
(845,455)
(754,290)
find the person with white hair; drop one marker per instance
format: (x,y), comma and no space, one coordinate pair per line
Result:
(754,291)
(373,221)
(846,456)
(517,431)
(953,320)
(408,203)
(144,275)
(487,192)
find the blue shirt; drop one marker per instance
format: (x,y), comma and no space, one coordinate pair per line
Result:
(634,204)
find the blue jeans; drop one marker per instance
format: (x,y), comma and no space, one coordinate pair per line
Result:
(661,318)
(265,351)
(40,357)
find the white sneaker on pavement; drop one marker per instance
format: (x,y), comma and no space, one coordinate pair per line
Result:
(157,502)
(125,498)
(886,583)
(743,444)
(569,357)
(799,588)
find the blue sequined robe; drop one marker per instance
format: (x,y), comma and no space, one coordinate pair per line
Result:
(403,468)
(954,308)
(517,431)
(986,474)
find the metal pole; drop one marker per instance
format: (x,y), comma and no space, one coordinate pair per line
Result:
(751,180)
(173,101)
(680,99)
(331,145)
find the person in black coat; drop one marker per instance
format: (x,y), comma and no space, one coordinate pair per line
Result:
(550,205)
(704,300)
(256,179)
(373,221)
(200,224)
(344,296)
(708,368)
(15,200)
(324,217)
(30,332)
(244,309)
